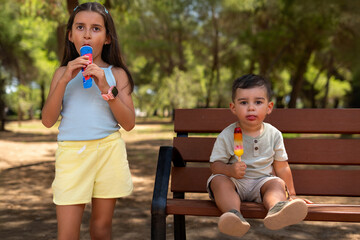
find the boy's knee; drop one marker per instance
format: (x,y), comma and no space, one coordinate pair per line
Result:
(279,182)
(275,183)
(221,182)
(221,179)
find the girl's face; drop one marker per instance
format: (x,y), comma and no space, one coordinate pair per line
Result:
(89,29)
(251,106)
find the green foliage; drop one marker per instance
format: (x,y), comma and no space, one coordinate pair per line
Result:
(185,53)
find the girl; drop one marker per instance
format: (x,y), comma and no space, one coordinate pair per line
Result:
(91,161)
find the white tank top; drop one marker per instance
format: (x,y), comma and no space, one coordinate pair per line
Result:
(85,114)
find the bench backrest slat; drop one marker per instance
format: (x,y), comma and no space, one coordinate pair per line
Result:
(286,120)
(300,151)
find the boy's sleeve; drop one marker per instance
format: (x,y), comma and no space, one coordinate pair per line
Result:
(280,152)
(220,150)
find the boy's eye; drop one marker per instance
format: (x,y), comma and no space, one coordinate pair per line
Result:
(258,102)
(243,103)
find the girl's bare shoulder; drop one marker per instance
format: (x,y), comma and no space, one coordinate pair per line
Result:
(120,76)
(59,71)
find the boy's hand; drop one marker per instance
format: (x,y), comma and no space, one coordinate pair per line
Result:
(292,197)
(237,170)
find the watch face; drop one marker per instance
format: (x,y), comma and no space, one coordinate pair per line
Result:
(114,91)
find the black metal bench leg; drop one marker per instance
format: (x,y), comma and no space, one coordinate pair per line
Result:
(158,226)
(158,205)
(179,227)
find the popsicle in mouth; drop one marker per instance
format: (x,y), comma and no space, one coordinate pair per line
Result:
(238,143)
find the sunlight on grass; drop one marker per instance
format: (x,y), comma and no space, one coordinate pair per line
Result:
(34,126)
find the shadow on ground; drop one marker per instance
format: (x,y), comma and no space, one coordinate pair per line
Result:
(27,211)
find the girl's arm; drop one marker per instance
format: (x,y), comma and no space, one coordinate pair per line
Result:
(52,107)
(62,76)
(122,106)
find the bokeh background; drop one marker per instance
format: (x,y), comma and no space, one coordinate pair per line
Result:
(186,53)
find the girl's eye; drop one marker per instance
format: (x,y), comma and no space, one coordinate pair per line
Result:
(80,27)
(96,29)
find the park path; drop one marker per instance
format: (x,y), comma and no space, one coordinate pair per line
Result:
(27,211)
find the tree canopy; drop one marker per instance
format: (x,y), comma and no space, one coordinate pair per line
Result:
(186,53)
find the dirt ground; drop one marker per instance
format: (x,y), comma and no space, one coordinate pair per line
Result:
(27,211)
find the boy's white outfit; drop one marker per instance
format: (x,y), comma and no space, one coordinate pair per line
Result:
(259,155)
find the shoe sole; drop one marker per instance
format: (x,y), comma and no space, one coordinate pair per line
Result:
(292,213)
(232,225)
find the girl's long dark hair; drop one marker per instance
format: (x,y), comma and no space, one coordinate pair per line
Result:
(111,52)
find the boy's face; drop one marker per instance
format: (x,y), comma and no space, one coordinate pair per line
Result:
(251,106)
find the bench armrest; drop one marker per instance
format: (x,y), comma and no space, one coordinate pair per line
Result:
(158,205)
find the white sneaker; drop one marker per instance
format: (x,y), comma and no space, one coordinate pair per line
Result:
(233,223)
(285,213)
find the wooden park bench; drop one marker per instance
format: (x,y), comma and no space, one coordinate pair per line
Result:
(323,146)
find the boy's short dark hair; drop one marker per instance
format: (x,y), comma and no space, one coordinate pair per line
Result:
(250,81)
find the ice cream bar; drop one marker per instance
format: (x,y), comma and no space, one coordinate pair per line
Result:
(238,143)
(86,50)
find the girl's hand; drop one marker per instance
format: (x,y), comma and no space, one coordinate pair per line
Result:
(74,66)
(98,75)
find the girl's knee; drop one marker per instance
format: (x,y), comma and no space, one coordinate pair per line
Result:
(100,229)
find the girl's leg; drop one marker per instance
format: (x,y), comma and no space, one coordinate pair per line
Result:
(69,221)
(101,218)
(225,194)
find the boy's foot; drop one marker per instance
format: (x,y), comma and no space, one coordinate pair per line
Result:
(285,213)
(233,223)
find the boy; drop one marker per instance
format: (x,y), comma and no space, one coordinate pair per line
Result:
(263,174)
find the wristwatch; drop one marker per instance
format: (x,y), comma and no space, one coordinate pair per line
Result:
(111,94)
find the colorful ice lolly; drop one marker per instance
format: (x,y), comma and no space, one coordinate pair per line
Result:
(238,143)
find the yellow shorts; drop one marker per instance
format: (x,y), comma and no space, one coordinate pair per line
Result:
(91,169)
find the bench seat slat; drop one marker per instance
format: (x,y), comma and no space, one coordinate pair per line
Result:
(312,151)
(306,181)
(317,212)
(286,120)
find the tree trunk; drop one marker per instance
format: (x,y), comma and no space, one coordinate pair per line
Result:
(325,99)
(2,104)
(313,93)
(215,66)
(42,93)
(298,77)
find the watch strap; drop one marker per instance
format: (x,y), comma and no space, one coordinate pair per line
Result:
(109,95)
